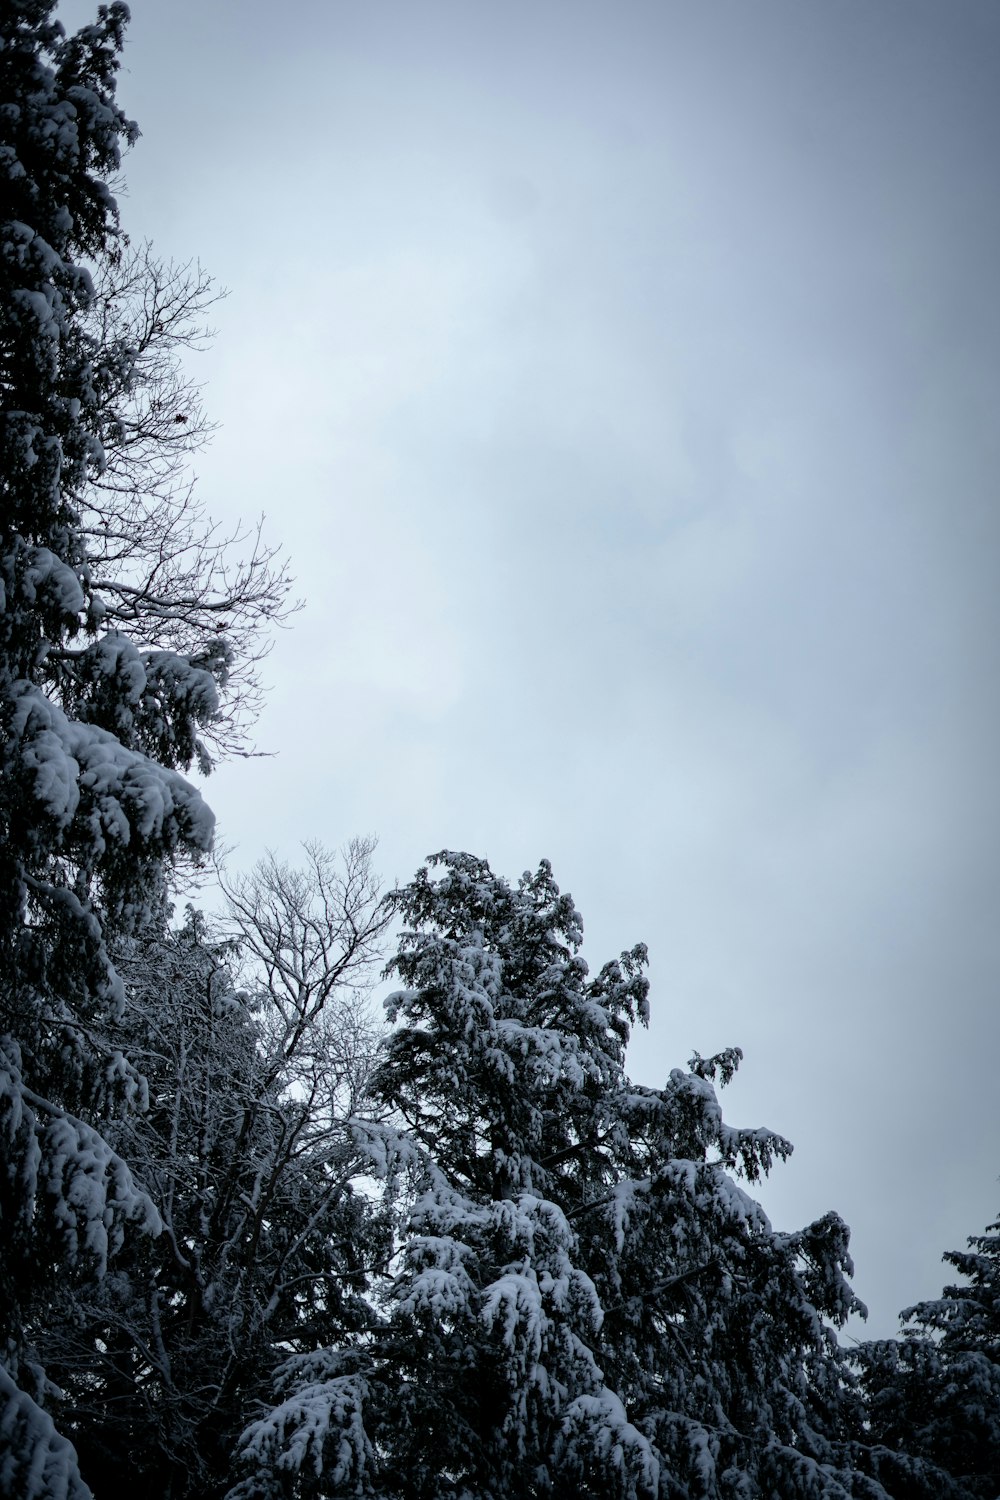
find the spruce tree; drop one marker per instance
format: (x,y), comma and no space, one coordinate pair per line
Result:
(98,718)
(934,1393)
(584,1301)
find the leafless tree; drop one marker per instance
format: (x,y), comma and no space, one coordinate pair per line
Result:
(253,1070)
(160,567)
(311,938)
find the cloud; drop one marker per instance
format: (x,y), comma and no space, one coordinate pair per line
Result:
(624,387)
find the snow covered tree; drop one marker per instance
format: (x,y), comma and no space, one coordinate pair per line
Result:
(506,1068)
(243,1148)
(719,1332)
(483,1379)
(71,793)
(97,718)
(934,1394)
(584,1302)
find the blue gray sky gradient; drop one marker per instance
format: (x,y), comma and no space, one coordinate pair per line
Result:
(623,380)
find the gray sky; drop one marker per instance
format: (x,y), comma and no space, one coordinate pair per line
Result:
(622,380)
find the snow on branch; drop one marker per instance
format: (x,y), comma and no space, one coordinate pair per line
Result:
(68,1172)
(81,778)
(319,1426)
(36,1462)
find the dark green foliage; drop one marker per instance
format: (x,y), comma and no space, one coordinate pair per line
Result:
(934,1394)
(100,701)
(584,1302)
(85,826)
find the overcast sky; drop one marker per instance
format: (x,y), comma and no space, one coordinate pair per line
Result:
(622,380)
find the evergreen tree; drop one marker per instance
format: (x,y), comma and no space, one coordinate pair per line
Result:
(584,1302)
(934,1394)
(98,716)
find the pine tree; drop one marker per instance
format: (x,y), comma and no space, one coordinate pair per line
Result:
(934,1394)
(96,720)
(584,1301)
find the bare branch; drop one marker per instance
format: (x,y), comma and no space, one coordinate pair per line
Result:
(159,567)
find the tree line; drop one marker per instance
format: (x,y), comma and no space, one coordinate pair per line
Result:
(256,1242)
